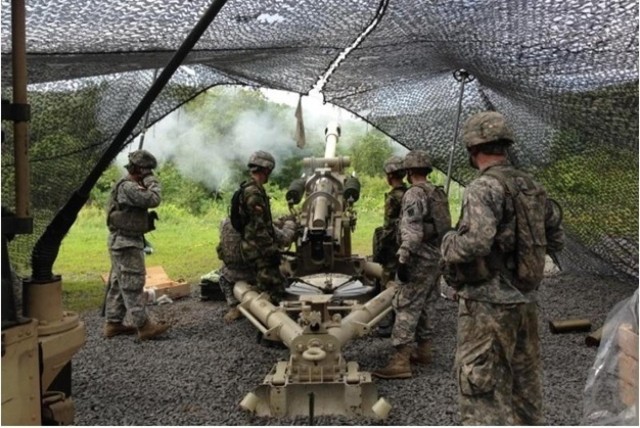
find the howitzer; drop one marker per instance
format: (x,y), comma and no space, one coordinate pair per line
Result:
(323,262)
(315,364)
(330,302)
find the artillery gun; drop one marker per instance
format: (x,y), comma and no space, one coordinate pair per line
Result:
(331,301)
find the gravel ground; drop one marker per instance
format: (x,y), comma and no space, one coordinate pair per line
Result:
(199,373)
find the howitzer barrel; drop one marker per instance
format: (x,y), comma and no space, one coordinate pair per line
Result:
(340,162)
(331,135)
(321,204)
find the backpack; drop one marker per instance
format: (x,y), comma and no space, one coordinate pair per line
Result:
(439,221)
(529,202)
(236,210)
(229,248)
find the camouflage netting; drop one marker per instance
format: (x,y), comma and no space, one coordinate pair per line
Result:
(565,73)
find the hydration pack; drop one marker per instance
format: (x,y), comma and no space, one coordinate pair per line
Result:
(237,213)
(439,221)
(528,199)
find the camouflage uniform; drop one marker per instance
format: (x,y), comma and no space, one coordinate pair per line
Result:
(389,244)
(421,254)
(497,365)
(260,241)
(234,268)
(128,272)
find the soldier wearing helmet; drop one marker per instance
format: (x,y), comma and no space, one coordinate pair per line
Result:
(424,218)
(385,243)
(259,238)
(498,320)
(128,219)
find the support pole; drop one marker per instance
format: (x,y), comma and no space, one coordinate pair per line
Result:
(47,247)
(463,77)
(20,127)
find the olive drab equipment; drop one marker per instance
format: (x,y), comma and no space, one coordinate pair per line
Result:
(417,159)
(262,159)
(438,220)
(486,127)
(126,219)
(143,159)
(237,213)
(529,201)
(229,248)
(393,164)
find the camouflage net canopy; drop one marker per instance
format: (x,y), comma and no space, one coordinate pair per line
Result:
(564,73)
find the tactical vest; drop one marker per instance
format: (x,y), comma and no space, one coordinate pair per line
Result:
(521,240)
(519,246)
(127,219)
(437,221)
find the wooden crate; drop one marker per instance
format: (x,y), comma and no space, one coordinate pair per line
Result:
(628,365)
(158,280)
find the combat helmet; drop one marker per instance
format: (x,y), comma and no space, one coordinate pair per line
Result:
(393,164)
(486,127)
(262,159)
(142,159)
(417,159)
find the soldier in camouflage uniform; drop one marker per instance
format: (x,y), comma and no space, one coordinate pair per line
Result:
(385,243)
(234,268)
(498,367)
(424,219)
(259,240)
(128,219)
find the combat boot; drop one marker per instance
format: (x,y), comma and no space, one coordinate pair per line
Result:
(150,330)
(398,367)
(115,328)
(232,315)
(422,353)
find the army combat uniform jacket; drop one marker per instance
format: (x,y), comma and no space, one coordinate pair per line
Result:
(484,211)
(127,277)
(498,365)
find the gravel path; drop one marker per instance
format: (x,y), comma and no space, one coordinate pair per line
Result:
(199,373)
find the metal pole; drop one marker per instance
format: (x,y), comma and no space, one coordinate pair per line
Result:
(47,247)
(20,128)
(461,76)
(145,122)
(311,407)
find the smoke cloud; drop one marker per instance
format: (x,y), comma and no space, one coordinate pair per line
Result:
(181,139)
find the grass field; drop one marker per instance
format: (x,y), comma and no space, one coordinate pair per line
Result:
(184,245)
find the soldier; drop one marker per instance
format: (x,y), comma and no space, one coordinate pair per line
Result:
(234,268)
(498,368)
(424,219)
(259,240)
(128,220)
(385,243)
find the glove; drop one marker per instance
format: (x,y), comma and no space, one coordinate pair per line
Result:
(290,224)
(403,273)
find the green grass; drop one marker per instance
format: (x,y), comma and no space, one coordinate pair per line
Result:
(184,244)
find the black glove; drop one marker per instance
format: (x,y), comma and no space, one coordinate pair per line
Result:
(152,217)
(403,273)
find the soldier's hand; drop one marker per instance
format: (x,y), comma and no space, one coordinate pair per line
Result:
(149,180)
(403,255)
(403,273)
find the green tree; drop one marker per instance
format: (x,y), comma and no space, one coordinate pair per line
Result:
(369,153)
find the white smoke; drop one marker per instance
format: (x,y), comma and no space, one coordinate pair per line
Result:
(183,140)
